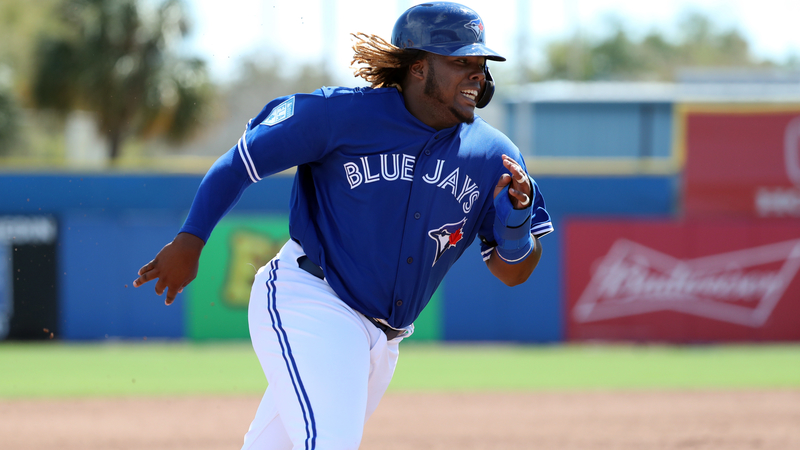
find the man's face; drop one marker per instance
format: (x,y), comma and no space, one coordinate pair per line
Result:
(452,87)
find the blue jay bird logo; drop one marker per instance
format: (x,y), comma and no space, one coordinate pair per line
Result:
(476,26)
(447,236)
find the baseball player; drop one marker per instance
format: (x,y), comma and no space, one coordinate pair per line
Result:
(393,183)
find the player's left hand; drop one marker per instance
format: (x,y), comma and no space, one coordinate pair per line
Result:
(520,190)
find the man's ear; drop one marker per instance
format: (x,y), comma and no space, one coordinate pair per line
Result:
(418,69)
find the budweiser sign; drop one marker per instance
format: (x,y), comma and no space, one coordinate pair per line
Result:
(784,201)
(740,287)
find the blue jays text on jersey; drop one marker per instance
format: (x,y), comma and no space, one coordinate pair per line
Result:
(382,202)
(462,188)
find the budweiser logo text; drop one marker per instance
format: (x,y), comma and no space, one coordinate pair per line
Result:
(740,287)
(625,281)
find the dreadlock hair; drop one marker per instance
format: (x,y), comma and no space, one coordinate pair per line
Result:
(386,65)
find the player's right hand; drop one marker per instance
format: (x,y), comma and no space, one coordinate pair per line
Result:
(519,185)
(175,266)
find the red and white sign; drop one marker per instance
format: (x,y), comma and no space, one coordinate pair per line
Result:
(683,282)
(742,164)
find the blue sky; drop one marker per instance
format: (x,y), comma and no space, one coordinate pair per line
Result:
(298,30)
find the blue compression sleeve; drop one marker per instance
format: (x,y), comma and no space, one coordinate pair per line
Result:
(512,229)
(218,193)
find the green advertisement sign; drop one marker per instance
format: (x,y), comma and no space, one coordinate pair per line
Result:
(218,297)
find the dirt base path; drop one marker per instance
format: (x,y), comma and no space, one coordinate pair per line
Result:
(587,421)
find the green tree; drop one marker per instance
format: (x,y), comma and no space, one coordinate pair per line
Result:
(701,45)
(119,61)
(20,22)
(618,57)
(9,123)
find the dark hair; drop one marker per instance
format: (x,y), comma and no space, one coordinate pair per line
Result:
(386,65)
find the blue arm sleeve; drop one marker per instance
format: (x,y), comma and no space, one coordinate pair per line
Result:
(540,222)
(289,131)
(218,193)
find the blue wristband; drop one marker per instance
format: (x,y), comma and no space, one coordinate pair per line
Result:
(512,229)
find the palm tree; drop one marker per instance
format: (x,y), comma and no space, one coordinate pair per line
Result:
(117,61)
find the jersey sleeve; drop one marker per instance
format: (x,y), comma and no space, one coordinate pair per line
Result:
(540,223)
(219,191)
(288,132)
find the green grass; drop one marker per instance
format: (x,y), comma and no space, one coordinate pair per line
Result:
(58,369)
(66,369)
(569,367)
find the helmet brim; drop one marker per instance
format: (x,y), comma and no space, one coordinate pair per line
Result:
(476,49)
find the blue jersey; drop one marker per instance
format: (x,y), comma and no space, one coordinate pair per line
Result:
(382,202)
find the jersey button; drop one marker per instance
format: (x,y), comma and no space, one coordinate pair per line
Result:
(399,303)
(417,215)
(427,152)
(410,260)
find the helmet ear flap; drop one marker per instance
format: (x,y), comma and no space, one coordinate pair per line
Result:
(488,89)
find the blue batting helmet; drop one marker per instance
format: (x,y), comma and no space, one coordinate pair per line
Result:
(446,29)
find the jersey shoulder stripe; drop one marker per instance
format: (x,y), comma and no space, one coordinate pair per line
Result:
(244,153)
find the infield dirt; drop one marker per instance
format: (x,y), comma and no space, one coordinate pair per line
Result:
(730,420)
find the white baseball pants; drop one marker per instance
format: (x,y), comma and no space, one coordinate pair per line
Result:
(326,364)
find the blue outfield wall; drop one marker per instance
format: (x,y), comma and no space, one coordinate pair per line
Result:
(100,254)
(43,193)
(110,225)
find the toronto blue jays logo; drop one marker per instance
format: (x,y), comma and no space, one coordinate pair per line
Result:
(476,26)
(447,236)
